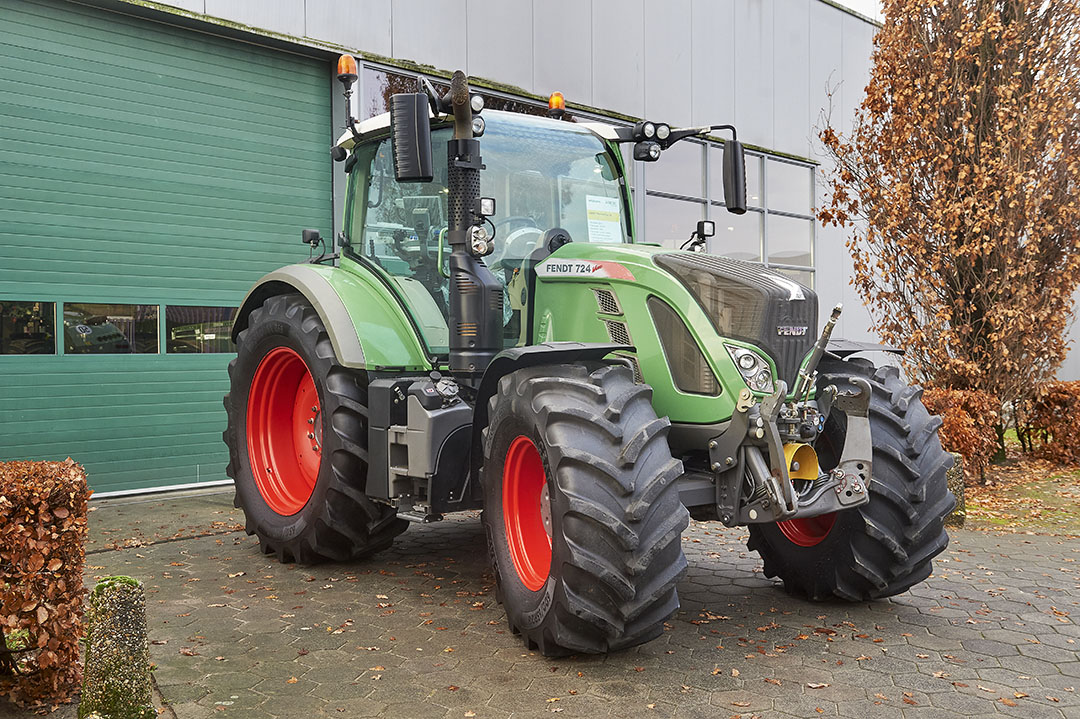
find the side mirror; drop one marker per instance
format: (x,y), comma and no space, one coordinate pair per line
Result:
(410,136)
(734,177)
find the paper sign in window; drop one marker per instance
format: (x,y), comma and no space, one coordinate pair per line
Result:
(604,218)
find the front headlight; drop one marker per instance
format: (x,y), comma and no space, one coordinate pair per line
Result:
(754,369)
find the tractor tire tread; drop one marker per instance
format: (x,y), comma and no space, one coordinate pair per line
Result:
(897,534)
(347,525)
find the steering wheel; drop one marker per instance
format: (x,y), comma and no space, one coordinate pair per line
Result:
(517,245)
(530,222)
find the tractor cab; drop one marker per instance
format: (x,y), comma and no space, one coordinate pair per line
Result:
(544,175)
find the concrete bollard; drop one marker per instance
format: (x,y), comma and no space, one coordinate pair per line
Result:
(955,479)
(116,676)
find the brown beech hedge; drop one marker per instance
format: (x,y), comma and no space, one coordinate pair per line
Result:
(42,544)
(1055,415)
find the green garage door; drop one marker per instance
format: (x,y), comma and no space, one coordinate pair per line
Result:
(148,176)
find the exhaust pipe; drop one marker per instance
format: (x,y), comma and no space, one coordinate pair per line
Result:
(476,296)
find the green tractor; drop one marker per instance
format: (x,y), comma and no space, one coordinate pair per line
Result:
(494,334)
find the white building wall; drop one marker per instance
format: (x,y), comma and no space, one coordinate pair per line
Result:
(766,65)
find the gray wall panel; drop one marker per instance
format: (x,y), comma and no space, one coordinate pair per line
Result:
(668,37)
(284,16)
(562,49)
(713,68)
(198,6)
(790,89)
(501,41)
(754,71)
(353,23)
(826,68)
(423,32)
(858,44)
(618,59)
(1070,368)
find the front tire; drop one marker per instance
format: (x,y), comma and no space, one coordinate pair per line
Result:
(581,509)
(297,437)
(885,546)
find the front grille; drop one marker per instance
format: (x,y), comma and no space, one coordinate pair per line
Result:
(748,302)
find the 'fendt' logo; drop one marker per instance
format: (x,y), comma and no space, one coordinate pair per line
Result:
(791,331)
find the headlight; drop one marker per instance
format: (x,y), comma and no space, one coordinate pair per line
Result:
(754,369)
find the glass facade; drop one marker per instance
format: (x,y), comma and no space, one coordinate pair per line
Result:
(686,185)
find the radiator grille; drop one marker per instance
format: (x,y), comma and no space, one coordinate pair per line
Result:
(748,302)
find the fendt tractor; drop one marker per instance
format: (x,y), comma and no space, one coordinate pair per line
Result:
(492,332)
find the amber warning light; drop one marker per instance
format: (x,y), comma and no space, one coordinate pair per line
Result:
(556,104)
(346,69)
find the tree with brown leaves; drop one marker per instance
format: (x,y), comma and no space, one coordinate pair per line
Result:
(960,181)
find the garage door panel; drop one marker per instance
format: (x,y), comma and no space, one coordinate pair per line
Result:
(144,163)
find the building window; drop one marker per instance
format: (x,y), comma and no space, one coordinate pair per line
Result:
(198,330)
(110,329)
(27,328)
(777,229)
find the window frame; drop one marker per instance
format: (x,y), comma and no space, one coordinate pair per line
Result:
(714,203)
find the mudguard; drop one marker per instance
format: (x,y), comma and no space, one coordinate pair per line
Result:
(368,327)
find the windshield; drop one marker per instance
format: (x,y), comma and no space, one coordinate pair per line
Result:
(542,173)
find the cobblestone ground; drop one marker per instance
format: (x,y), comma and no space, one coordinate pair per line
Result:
(416,631)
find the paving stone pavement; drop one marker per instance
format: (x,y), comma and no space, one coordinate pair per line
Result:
(415,631)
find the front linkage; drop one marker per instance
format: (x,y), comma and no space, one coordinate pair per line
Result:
(751,490)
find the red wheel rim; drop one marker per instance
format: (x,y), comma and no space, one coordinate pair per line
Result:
(284,431)
(809,531)
(527,513)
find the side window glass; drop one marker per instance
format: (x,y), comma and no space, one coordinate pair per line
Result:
(402,226)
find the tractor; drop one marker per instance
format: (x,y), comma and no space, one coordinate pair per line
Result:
(493,333)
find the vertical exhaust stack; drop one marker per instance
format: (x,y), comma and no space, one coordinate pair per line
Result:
(476,296)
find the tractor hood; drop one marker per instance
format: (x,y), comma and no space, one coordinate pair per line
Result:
(740,300)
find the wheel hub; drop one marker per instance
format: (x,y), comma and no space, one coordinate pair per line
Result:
(284,431)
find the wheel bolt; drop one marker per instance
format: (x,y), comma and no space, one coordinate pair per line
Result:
(311,435)
(311,421)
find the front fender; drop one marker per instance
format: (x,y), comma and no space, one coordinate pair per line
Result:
(367,326)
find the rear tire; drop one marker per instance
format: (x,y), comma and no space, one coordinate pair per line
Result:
(885,546)
(604,576)
(303,506)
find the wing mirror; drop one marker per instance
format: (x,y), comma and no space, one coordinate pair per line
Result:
(410,136)
(734,177)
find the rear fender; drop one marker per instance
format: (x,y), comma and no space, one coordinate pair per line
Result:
(368,328)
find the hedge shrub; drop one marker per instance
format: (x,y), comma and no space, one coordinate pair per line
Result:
(969,424)
(42,544)
(1055,417)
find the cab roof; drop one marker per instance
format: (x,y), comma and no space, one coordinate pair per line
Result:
(380,125)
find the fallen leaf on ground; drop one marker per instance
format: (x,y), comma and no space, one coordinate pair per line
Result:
(815,685)
(291,680)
